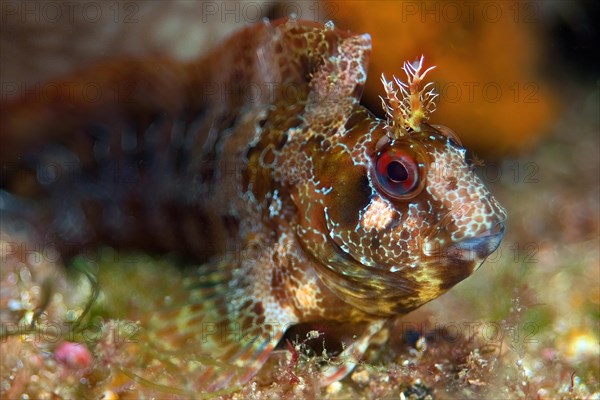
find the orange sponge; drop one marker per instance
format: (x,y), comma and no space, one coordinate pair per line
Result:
(487,57)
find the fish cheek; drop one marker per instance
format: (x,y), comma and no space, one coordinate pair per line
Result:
(351,194)
(344,185)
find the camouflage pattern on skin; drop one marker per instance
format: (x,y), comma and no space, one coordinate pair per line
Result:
(259,162)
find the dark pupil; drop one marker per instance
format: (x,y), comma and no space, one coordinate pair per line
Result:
(397,172)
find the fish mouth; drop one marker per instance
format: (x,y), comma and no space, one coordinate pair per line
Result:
(480,246)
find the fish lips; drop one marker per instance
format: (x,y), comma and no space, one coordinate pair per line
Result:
(478,247)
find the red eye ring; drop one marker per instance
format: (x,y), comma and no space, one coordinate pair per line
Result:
(398,174)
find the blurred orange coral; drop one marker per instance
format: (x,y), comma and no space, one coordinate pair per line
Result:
(488,55)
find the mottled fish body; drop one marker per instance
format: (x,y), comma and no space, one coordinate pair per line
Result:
(261,147)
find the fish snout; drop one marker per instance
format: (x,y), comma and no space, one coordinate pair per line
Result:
(480,246)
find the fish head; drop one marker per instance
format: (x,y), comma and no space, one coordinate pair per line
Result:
(404,216)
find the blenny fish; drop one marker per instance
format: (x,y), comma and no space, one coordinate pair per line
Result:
(258,163)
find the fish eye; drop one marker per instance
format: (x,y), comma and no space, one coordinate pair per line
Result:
(397,173)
